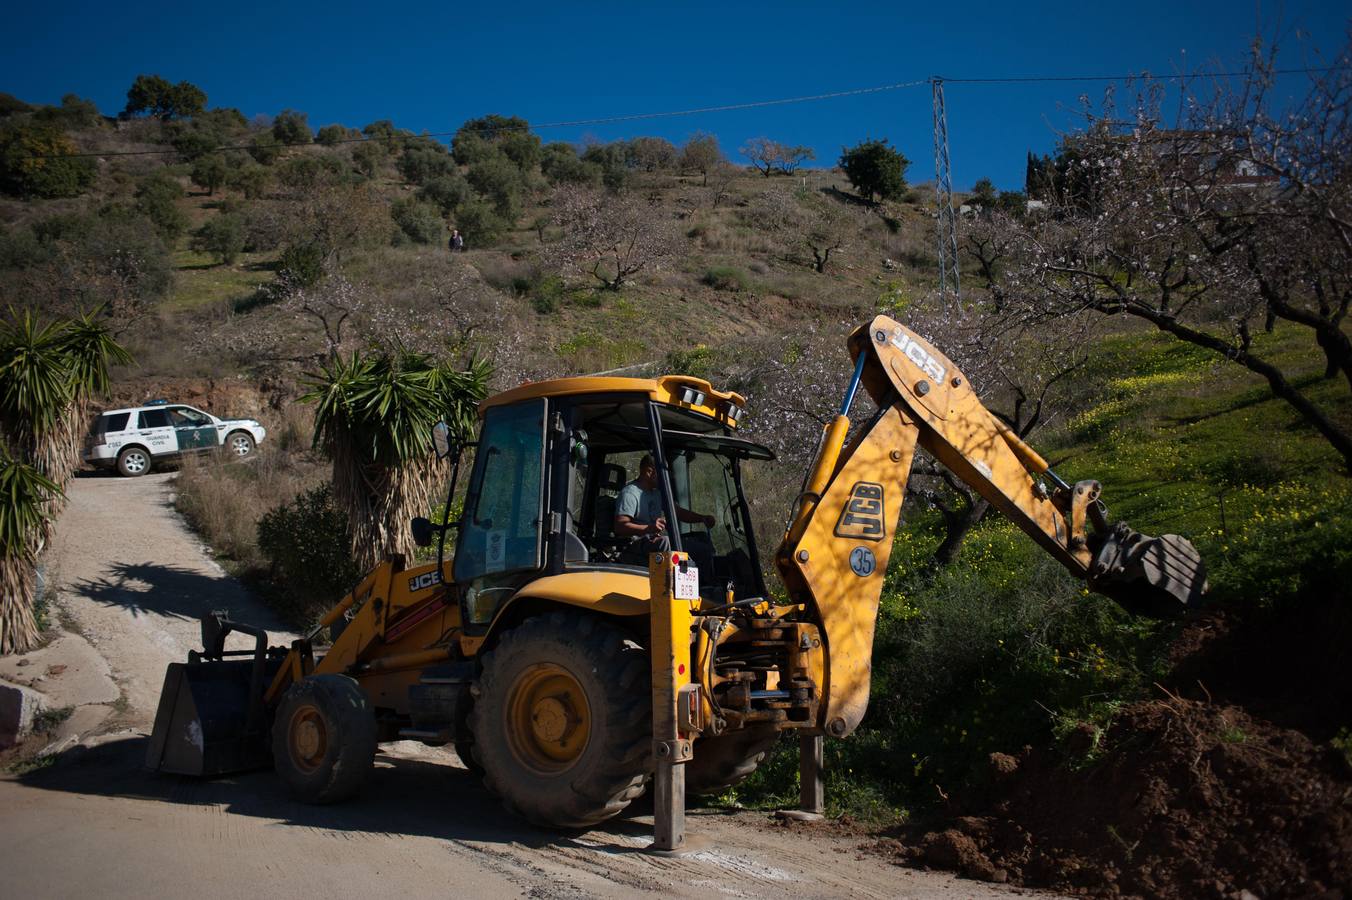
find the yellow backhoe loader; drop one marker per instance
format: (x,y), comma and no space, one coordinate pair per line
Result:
(569,665)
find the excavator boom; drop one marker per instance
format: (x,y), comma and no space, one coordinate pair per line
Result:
(835,552)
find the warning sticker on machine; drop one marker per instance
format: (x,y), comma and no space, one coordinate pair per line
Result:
(686,579)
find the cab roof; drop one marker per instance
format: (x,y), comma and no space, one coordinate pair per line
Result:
(683,391)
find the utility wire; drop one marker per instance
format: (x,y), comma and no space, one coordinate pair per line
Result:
(730,107)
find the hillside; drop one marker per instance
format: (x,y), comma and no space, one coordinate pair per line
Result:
(998,679)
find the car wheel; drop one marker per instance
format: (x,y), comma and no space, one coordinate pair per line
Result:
(133,462)
(240,444)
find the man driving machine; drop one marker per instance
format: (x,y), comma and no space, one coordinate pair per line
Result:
(638,514)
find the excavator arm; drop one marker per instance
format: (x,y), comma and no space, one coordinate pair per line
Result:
(836,549)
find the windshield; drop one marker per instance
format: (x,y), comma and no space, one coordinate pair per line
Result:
(705,484)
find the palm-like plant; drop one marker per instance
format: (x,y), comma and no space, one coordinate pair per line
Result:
(374,414)
(24,496)
(49,374)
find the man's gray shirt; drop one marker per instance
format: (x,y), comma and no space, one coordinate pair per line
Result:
(643,507)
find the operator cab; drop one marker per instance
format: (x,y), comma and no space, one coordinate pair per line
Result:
(551,462)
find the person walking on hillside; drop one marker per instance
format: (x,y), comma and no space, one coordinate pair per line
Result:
(457,241)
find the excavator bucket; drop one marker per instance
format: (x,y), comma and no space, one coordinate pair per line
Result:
(1155,576)
(211,719)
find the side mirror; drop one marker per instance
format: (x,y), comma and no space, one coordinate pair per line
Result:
(441,439)
(423,531)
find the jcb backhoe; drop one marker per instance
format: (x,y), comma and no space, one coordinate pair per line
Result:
(539,648)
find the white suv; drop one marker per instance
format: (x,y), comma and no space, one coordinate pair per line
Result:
(129,439)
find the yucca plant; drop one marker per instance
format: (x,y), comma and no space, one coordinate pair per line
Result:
(49,374)
(24,497)
(374,413)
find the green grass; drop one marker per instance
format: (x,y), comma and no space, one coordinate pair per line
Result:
(200,282)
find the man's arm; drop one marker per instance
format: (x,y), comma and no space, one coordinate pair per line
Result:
(625,526)
(692,518)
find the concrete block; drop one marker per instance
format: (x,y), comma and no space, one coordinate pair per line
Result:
(18,705)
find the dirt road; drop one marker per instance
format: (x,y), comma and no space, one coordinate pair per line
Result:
(132,582)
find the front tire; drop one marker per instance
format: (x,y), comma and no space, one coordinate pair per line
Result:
(133,462)
(324,738)
(562,721)
(240,444)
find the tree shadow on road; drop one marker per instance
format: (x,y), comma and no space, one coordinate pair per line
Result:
(161,589)
(430,797)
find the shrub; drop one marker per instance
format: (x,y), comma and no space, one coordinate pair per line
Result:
(368,157)
(310,171)
(499,182)
(265,148)
(697,361)
(331,135)
(424,159)
(291,127)
(211,171)
(223,237)
(305,543)
(250,179)
(545,293)
(727,278)
(35,161)
(421,222)
(301,265)
(480,223)
(157,197)
(447,192)
(560,164)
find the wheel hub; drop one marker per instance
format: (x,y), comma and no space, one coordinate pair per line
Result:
(309,740)
(550,718)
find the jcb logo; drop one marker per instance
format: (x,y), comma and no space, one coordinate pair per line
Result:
(862,517)
(423,581)
(919,355)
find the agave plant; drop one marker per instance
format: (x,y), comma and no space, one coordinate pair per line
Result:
(49,374)
(24,496)
(374,413)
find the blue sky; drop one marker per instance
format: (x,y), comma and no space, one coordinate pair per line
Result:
(431,66)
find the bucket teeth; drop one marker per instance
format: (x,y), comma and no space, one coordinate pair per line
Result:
(1155,576)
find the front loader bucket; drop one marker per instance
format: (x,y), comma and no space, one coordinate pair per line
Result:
(1161,577)
(203,725)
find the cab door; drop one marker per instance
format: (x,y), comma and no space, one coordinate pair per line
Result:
(501,542)
(194,430)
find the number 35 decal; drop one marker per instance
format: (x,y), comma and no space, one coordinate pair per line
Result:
(862,517)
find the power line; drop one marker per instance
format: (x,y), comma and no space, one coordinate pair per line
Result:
(729,107)
(1027,79)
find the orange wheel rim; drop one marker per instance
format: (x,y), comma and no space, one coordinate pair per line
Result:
(307,738)
(548,719)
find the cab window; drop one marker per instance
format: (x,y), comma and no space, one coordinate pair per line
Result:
(186,417)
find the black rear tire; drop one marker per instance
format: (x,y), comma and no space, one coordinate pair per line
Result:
(727,760)
(324,739)
(133,462)
(562,720)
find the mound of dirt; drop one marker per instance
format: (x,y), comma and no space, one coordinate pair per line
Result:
(1225,788)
